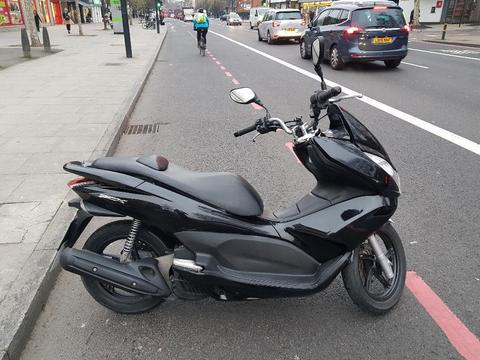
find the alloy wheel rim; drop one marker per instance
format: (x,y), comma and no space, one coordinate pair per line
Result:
(334,57)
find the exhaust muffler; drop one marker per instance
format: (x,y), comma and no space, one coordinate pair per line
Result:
(141,277)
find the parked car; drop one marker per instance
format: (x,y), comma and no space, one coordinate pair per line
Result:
(356,31)
(281,24)
(256,16)
(223,17)
(234,19)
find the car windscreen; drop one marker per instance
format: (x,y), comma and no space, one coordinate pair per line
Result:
(378,17)
(235,16)
(262,11)
(288,15)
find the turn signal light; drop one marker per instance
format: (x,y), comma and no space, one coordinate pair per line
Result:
(379,7)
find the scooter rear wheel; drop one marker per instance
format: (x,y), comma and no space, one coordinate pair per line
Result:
(108,240)
(364,279)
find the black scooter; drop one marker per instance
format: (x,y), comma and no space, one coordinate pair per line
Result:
(193,234)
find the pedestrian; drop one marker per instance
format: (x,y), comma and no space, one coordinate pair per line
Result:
(67,19)
(411,17)
(37,20)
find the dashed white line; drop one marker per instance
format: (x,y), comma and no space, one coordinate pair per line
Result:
(443,54)
(228,74)
(420,66)
(422,124)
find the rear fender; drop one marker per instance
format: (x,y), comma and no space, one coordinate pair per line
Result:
(85,213)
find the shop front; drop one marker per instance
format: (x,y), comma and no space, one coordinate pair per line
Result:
(312,8)
(10,13)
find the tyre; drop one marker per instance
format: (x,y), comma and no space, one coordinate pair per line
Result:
(251,27)
(259,36)
(304,54)
(109,240)
(336,61)
(392,64)
(269,38)
(364,280)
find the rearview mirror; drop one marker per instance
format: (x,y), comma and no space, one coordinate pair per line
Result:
(243,95)
(318,49)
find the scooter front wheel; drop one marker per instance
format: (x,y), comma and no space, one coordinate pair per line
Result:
(364,279)
(108,240)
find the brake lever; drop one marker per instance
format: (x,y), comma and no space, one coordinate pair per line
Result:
(256,135)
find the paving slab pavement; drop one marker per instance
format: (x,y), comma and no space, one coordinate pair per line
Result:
(465,35)
(71,105)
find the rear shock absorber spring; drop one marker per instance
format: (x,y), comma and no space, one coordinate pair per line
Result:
(132,235)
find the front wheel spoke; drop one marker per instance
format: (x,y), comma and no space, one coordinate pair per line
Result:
(382,280)
(368,279)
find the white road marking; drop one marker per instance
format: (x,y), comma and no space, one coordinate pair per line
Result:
(422,124)
(459,52)
(420,66)
(439,53)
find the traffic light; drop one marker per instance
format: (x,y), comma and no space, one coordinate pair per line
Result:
(159,3)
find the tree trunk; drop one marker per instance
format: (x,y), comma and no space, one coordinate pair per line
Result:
(79,18)
(30,22)
(416,13)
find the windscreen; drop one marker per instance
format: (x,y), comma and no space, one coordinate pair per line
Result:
(288,15)
(262,11)
(378,17)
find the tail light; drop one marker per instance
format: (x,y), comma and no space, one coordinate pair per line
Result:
(380,7)
(79,182)
(276,23)
(405,28)
(352,30)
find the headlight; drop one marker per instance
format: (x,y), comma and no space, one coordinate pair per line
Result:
(385,165)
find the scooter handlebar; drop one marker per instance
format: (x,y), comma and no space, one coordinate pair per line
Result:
(245,131)
(323,96)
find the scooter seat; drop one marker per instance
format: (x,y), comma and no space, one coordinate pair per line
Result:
(223,190)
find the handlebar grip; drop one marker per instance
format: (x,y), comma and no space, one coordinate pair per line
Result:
(323,96)
(245,131)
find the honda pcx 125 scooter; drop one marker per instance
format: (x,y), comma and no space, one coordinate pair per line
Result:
(189,235)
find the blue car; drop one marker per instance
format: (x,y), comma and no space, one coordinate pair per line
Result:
(359,31)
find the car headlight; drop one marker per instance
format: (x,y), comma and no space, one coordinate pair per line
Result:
(385,165)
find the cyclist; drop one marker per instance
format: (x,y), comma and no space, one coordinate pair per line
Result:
(200,25)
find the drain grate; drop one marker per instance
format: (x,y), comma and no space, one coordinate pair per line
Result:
(141,129)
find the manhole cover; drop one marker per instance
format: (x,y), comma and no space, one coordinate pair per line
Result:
(141,129)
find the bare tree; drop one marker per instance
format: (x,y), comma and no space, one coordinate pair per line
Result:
(79,18)
(30,22)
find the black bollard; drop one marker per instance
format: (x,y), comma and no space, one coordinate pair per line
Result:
(444,31)
(25,43)
(46,40)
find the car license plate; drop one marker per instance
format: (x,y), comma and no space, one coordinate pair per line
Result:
(382,40)
(290,29)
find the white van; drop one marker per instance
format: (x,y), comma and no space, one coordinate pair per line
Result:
(256,16)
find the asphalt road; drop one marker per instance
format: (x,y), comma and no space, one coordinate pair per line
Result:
(437,216)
